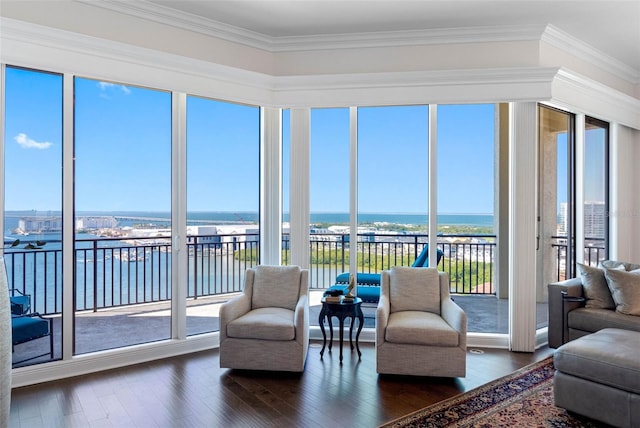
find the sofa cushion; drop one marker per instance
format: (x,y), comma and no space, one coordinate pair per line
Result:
(591,358)
(420,328)
(276,286)
(414,289)
(595,287)
(625,290)
(591,320)
(264,324)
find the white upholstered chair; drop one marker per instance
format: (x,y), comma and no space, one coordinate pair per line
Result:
(267,326)
(419,330)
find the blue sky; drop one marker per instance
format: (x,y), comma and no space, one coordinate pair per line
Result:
(123,152)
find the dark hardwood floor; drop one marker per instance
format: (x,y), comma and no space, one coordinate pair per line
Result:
(192,391)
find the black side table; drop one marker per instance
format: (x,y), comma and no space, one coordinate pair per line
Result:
(341,310)
(568,299)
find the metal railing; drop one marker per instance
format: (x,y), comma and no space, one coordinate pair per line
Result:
(594,253)
(113,272)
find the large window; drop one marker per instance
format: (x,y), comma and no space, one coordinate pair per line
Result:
(466,142)
(33,201)
(122,217)
(223,195)
(329,195)
(393,186)
(596,191)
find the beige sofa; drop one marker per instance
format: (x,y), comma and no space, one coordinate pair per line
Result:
(600,307)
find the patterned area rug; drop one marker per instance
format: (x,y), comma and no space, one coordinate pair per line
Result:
(522,399)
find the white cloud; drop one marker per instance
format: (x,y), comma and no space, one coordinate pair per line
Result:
(109,87)
(27,143)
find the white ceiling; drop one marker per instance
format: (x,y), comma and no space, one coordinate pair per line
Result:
(612,27)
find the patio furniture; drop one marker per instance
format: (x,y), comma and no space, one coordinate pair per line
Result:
(420,331)
(267,326)
(369,283)
(20,302)
(25,328)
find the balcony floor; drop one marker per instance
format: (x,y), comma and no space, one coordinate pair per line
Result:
(130,325)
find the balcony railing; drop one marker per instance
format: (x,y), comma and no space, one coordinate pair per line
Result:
(594,252)
(112,272)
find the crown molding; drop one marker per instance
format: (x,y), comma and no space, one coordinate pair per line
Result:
(574,92)
(29,34)
(567,43)
(549,34)
(186,21)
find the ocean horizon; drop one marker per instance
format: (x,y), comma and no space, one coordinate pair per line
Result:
(129,218)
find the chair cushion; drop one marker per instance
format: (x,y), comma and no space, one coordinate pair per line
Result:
(420,328)
(264,324)
(27,328)
(414,289)
(276,286)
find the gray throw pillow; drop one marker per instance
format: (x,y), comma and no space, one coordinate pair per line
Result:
(625,290)
(595,287)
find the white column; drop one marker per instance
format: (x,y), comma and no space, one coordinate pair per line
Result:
(433,184)
(270,186)
(522,226)
(579,177)
(300,159)
(68,227)
(353,193)
(179,252)
(2,101)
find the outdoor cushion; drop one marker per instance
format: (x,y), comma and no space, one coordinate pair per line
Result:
(414,289)
(25,328)
(276,286)
(420,328)
(264,324)
(361,278)
(20,304)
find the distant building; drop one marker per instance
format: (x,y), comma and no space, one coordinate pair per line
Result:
(99,222)
(40,225)
(594,219)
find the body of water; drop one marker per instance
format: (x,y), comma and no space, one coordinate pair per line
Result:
(163,219)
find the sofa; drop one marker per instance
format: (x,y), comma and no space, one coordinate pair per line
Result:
(606,296)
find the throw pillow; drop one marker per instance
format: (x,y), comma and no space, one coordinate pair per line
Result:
(625,289)
(276,286)
(614,264)
(595,287)
(414,289)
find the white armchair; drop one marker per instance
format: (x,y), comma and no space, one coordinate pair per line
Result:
(419,330)
(267,326)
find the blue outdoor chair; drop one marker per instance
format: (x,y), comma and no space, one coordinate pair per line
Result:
(25,328)
(369,283)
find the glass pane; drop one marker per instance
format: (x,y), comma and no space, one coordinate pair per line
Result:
(466,171)
(329,195)
(595,191)
(223,195)
(556,203)
(123,218)
(33,205)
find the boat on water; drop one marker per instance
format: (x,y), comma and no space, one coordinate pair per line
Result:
(128,257)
